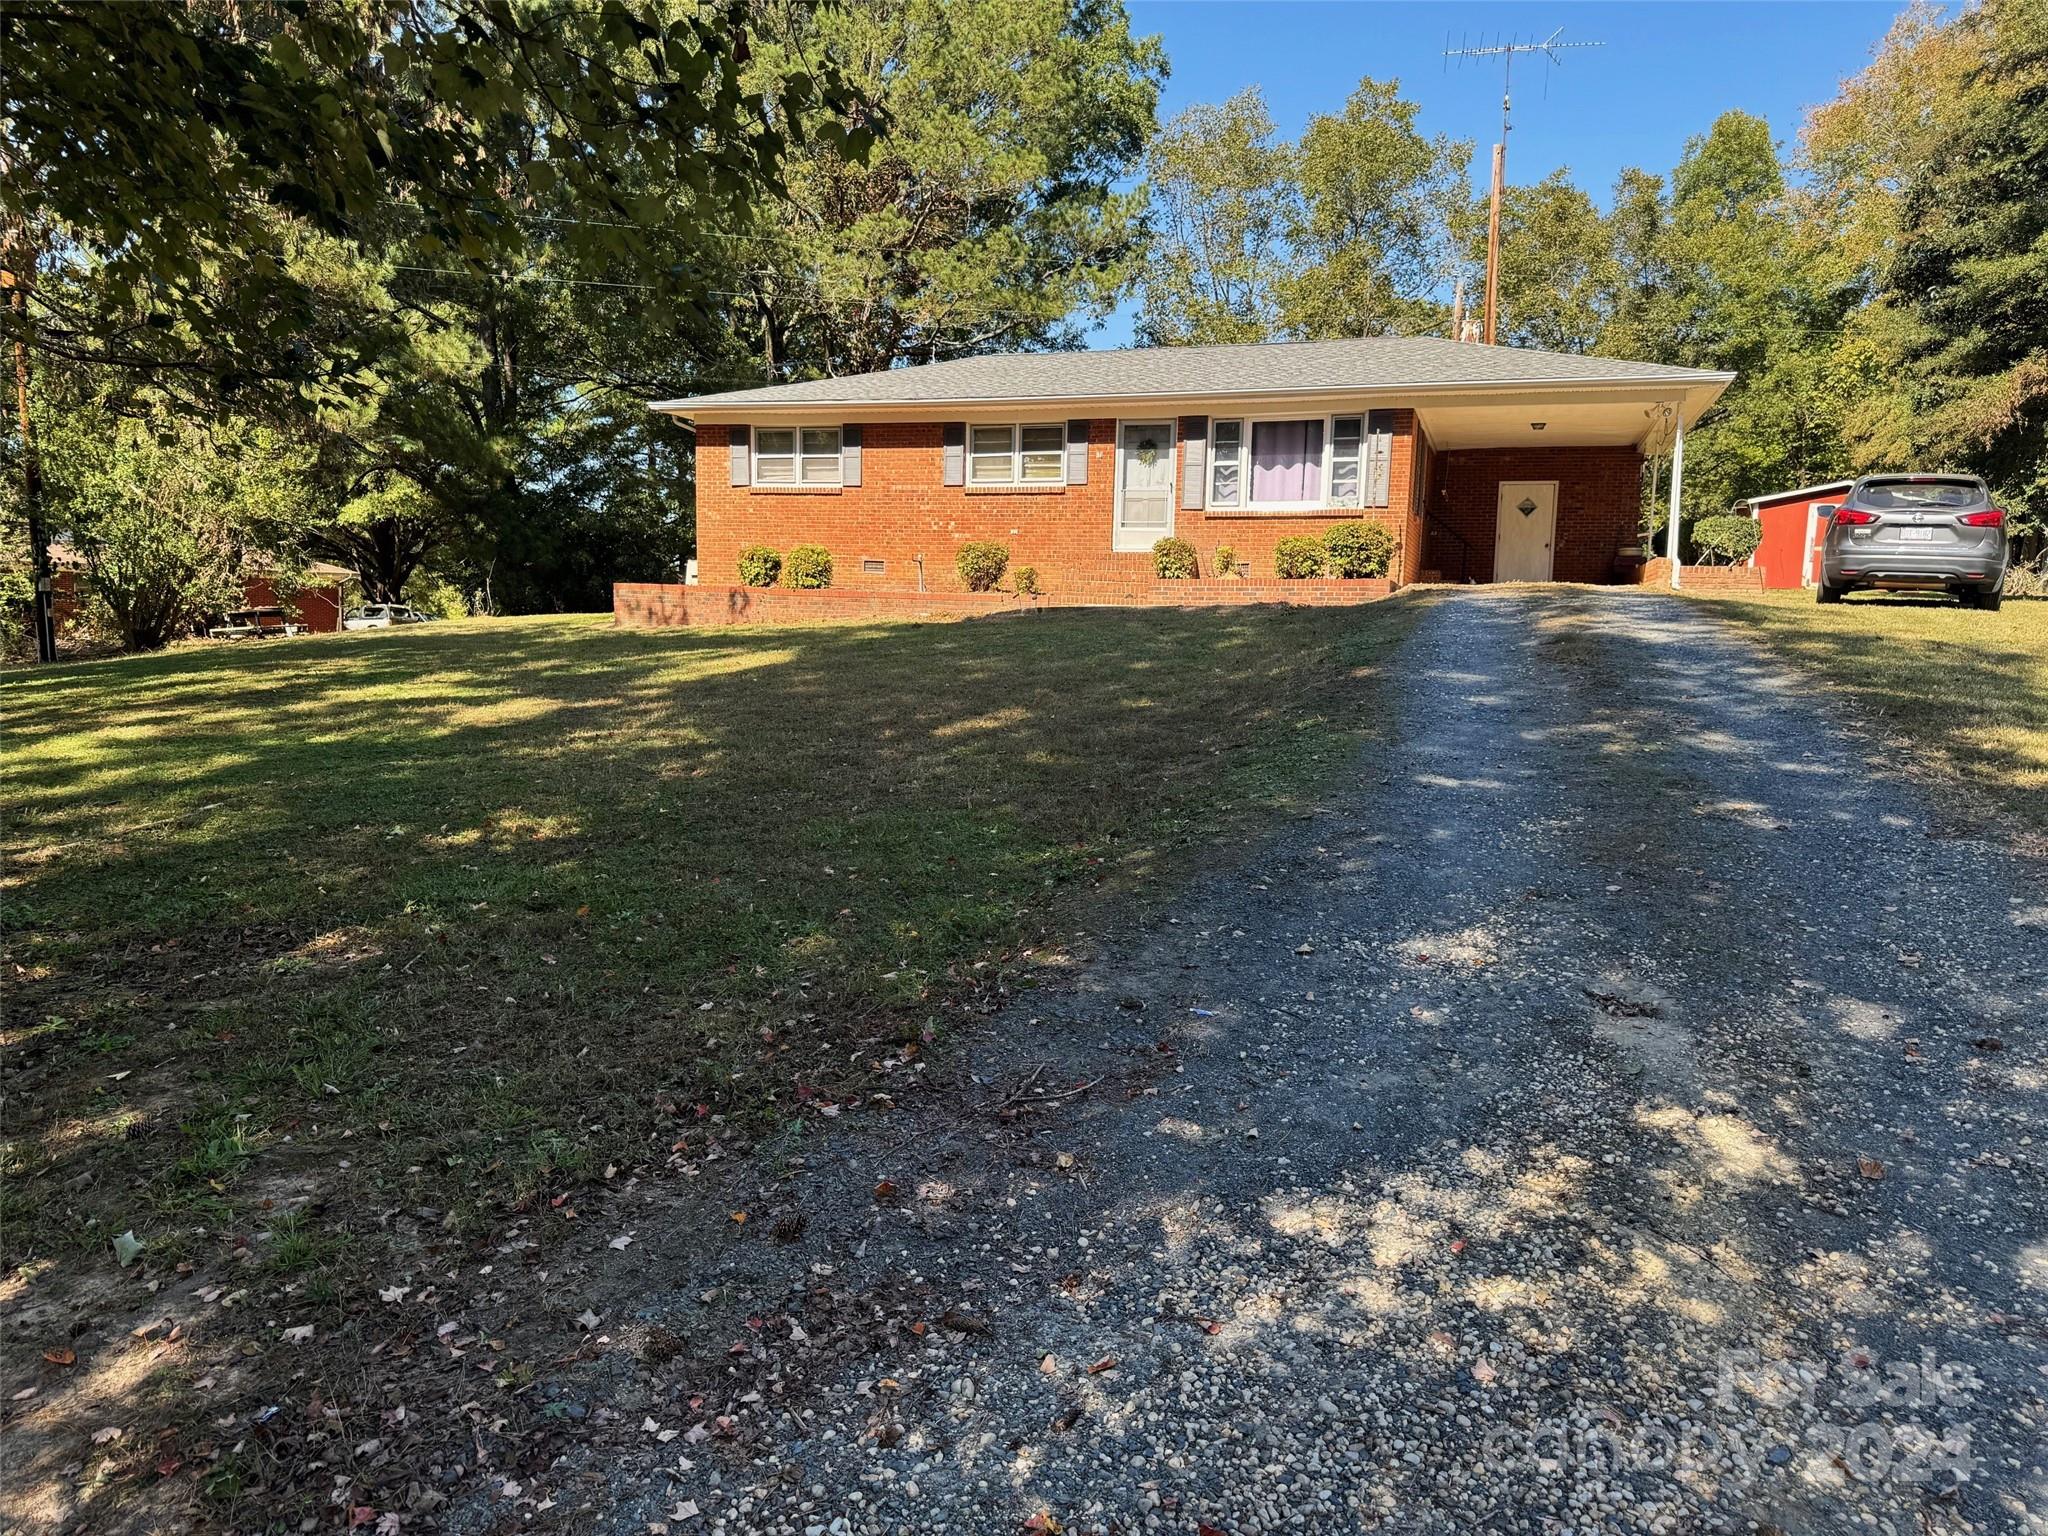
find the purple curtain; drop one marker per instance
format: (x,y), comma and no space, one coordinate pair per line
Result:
(1287,460)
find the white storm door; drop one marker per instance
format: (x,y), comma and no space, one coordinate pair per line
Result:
(1144,484)
(1527,530)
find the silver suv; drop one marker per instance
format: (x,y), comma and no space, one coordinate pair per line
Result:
(1909,533)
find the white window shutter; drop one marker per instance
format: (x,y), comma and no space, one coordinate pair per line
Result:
(849,455)
(1379,437)
(1077,453)
(1194,481)
(739,440)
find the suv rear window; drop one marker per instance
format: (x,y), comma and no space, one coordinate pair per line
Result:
(1919,496)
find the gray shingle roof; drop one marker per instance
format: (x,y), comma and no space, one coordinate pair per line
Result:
(1271,368)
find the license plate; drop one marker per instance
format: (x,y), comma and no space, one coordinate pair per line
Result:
(1917,535)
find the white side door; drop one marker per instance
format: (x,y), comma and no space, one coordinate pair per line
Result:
(1144,484)
(1527,530)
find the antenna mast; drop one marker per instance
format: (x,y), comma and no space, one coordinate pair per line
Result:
(1549,47)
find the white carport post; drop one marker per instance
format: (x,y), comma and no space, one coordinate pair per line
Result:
(1671,544)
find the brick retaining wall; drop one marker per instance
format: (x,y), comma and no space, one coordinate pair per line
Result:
(1702,578)
(662,605)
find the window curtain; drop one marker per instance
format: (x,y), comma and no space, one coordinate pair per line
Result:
(1287,460)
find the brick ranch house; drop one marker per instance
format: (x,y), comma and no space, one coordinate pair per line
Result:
(1486,463)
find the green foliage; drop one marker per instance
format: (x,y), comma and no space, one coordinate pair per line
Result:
(1969,271)
(988,216)
(1223,194)
(1358,549)
(167,521)
(436,596)
(1026,580)
(1226,560)
(808,568)
(981,564)
(1346,233)
(760,566)
(1174,560)
(182,149)
(1298,557)
(1725,539)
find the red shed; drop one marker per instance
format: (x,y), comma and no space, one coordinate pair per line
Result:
(1791,537)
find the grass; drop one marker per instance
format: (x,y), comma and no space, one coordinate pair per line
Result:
(1968,691)
(456,919)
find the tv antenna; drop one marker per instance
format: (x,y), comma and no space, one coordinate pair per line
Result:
(1550,47)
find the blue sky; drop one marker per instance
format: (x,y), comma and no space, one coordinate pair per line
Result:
(1667,70)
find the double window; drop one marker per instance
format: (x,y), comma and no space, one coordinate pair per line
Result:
(1030,453)
(1296,464)
(796,455)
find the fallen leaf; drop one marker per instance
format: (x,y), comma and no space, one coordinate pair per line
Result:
(302,1334)
(1458,1245)
(1988,1043)
(739,1218)
(61,1356)
(1482,1372)
(1870,1167)
(127,1247)
(1044,1523)
(106,1436)
(623,1241)
(1304,949)
(1106,1363)
(586,1320)
(394,1293)
(963,1322)
(885,1190)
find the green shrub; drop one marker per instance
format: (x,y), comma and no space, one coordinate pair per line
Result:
(1226,560)
(1027,580)
(1298,557)
(981,564)
(808,568)
(1725,540)
(1359,549)
(1173,560)
(759,566)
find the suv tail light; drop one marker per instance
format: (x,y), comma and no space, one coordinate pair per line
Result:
(1854,517)
(1995,518)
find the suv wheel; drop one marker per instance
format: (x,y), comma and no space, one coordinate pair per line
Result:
(1990,601)
(1827,594)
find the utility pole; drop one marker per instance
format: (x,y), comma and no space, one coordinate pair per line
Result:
(1505,52)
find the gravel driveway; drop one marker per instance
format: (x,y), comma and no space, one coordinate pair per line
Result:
(1618,1108)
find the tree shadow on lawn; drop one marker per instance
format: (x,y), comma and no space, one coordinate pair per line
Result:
(452,917)
(1968,690)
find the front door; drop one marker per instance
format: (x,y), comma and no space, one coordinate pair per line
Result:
(1527,530)
(1144,484)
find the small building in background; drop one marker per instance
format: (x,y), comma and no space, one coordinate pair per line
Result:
(1789,552)
(316,606)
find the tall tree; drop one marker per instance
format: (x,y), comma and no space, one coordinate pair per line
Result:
(1224,196)
(1373,239)
(1969,274)
(1556,265)
(988,217)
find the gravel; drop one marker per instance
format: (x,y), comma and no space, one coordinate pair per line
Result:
(1583,1121)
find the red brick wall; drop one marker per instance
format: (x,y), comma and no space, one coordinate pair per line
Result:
(1599,494)
(902,509)
(663,605)
(1702,578)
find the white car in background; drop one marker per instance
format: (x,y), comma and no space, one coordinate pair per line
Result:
(382,616)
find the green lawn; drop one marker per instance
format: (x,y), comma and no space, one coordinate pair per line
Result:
(1968,691)
(454,918)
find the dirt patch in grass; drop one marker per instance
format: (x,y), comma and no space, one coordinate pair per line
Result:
(1964,691)
(339,956)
